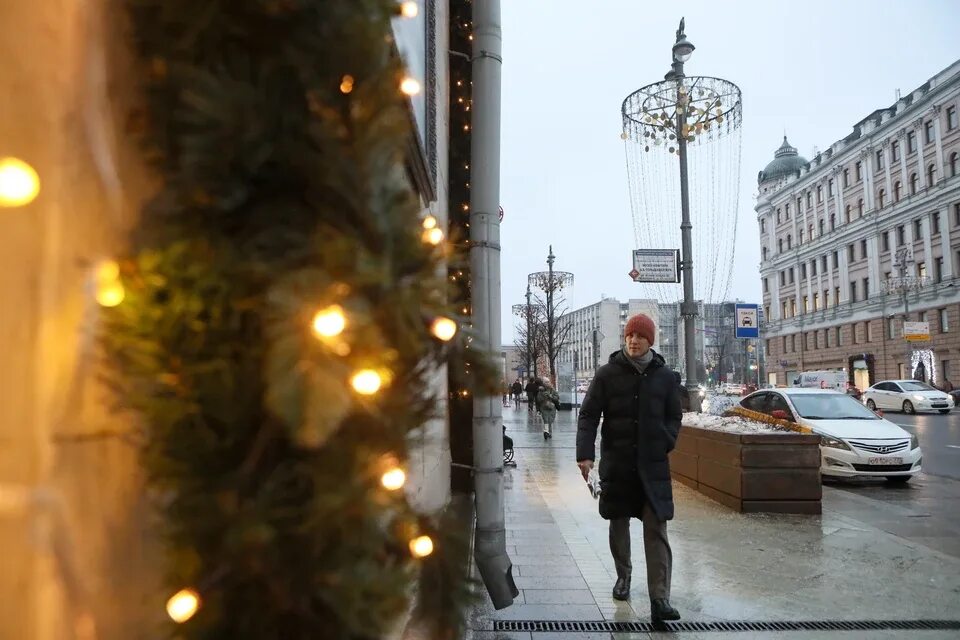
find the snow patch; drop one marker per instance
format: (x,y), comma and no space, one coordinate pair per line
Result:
(729,424)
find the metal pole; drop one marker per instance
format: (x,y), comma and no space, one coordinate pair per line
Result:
(490,551)
(529,336)
(689,307)
(550,258)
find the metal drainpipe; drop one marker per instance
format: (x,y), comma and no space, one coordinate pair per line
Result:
(490,545)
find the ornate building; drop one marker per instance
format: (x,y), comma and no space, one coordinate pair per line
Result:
(864,237)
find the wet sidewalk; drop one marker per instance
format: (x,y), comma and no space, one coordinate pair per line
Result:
(727,566)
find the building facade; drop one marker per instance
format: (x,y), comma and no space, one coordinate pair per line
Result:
(865,237)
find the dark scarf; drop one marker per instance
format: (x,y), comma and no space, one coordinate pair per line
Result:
(639,363)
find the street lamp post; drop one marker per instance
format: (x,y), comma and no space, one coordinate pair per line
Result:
(682,50)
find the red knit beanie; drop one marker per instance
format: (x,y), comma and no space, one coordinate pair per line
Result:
(642,325)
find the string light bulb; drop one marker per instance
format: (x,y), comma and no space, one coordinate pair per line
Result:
(393,479)
(410,86)
(444,329)
(366,382)
(421,546)
(109,289)
(346,84)
(183,605)
(330,321)
(19,183)
(433,236)
(409,9)
(429,222)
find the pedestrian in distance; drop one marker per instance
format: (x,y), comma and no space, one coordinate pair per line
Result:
(636,395)
(548,400)
(517,390)
(683,391)
(531,389)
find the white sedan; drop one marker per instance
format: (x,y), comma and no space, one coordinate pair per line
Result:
(854,441)
(908,396)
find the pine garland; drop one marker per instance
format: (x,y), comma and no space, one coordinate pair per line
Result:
(758,416)
(282,193)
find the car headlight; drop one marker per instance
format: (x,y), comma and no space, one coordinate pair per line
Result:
(914,442)
(918,398)
(833,443)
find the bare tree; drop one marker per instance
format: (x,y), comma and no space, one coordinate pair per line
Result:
(531,334)
(552,284)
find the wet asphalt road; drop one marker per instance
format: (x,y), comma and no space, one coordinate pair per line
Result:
(939,439)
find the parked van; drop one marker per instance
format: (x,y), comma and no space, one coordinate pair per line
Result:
(836,380)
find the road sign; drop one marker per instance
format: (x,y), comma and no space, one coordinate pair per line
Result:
(656,265)
(747,320)
(916,331)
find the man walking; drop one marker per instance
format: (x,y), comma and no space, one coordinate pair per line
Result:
(637,396)
(532,390)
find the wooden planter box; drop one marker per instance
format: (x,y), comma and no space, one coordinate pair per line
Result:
(764,472)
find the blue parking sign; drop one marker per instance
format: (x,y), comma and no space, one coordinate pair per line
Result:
(748,320)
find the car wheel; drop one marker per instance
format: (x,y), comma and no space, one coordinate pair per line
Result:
(944,411)
(908,407)
(899,479)
(871,405)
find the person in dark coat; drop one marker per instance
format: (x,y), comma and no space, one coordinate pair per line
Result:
(683,391)
(636,394)
(531,390)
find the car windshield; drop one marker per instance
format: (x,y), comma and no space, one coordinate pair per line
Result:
(830,406)
(916,386)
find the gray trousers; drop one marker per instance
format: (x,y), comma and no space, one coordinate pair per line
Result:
(656,550)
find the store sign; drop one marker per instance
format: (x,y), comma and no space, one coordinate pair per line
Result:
(916,331)
(656,265)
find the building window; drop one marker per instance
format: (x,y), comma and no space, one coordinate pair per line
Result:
(783,278)
(938,270)
(800,237)
(931,171)
(863,249)
(779,245)
(836,259)
(945,369)
(836,296)
(866,288)
(879,155)
(833,221)
(826,298)
(880,196)
(839,337)
(928,132)
(803,271)
(901,371)
(791,275)
(853,292)
(766,286)
(785,308)
(885,241)
(766,311)
(951,118)
(911,142)
(896,191)
(859,170)
(793,342)
(789,241)
(956,214)
(806,305)
(953,164)
(826,338)
(846,177)
(934,223)
(823,264)
(847,214)
(860,208)
(763,225)
(793,307)
(830,187)
(917,230)
(764,253)
(850,254)
(891,328)
(816,302)
(813,267)
(894,151)
(779,220)
(853,333)
(798,206)
(820,227)
(809,200)
(810,230)
(944,321)
(816,339)
(901,235)
(921,271)
(787,210)
(922,316)
(913,184)
(867,331)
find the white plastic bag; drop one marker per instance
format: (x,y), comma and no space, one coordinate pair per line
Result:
(593,483)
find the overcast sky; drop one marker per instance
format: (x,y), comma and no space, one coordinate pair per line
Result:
(812,68)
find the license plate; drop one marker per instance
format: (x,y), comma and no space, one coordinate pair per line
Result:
(880,461)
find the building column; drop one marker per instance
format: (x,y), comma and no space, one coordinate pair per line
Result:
(938,142)
(886,170)
(868,185)
(921,164)
(839,194)
(844,276)
(946,224)
(904,178)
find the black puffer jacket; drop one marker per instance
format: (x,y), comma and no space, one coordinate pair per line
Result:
(641,421)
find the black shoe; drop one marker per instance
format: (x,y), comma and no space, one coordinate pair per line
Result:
(621,590)
(660,610)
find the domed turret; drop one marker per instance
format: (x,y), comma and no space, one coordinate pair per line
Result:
(785,162)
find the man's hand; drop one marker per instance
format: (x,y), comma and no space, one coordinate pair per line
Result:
(585,466)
